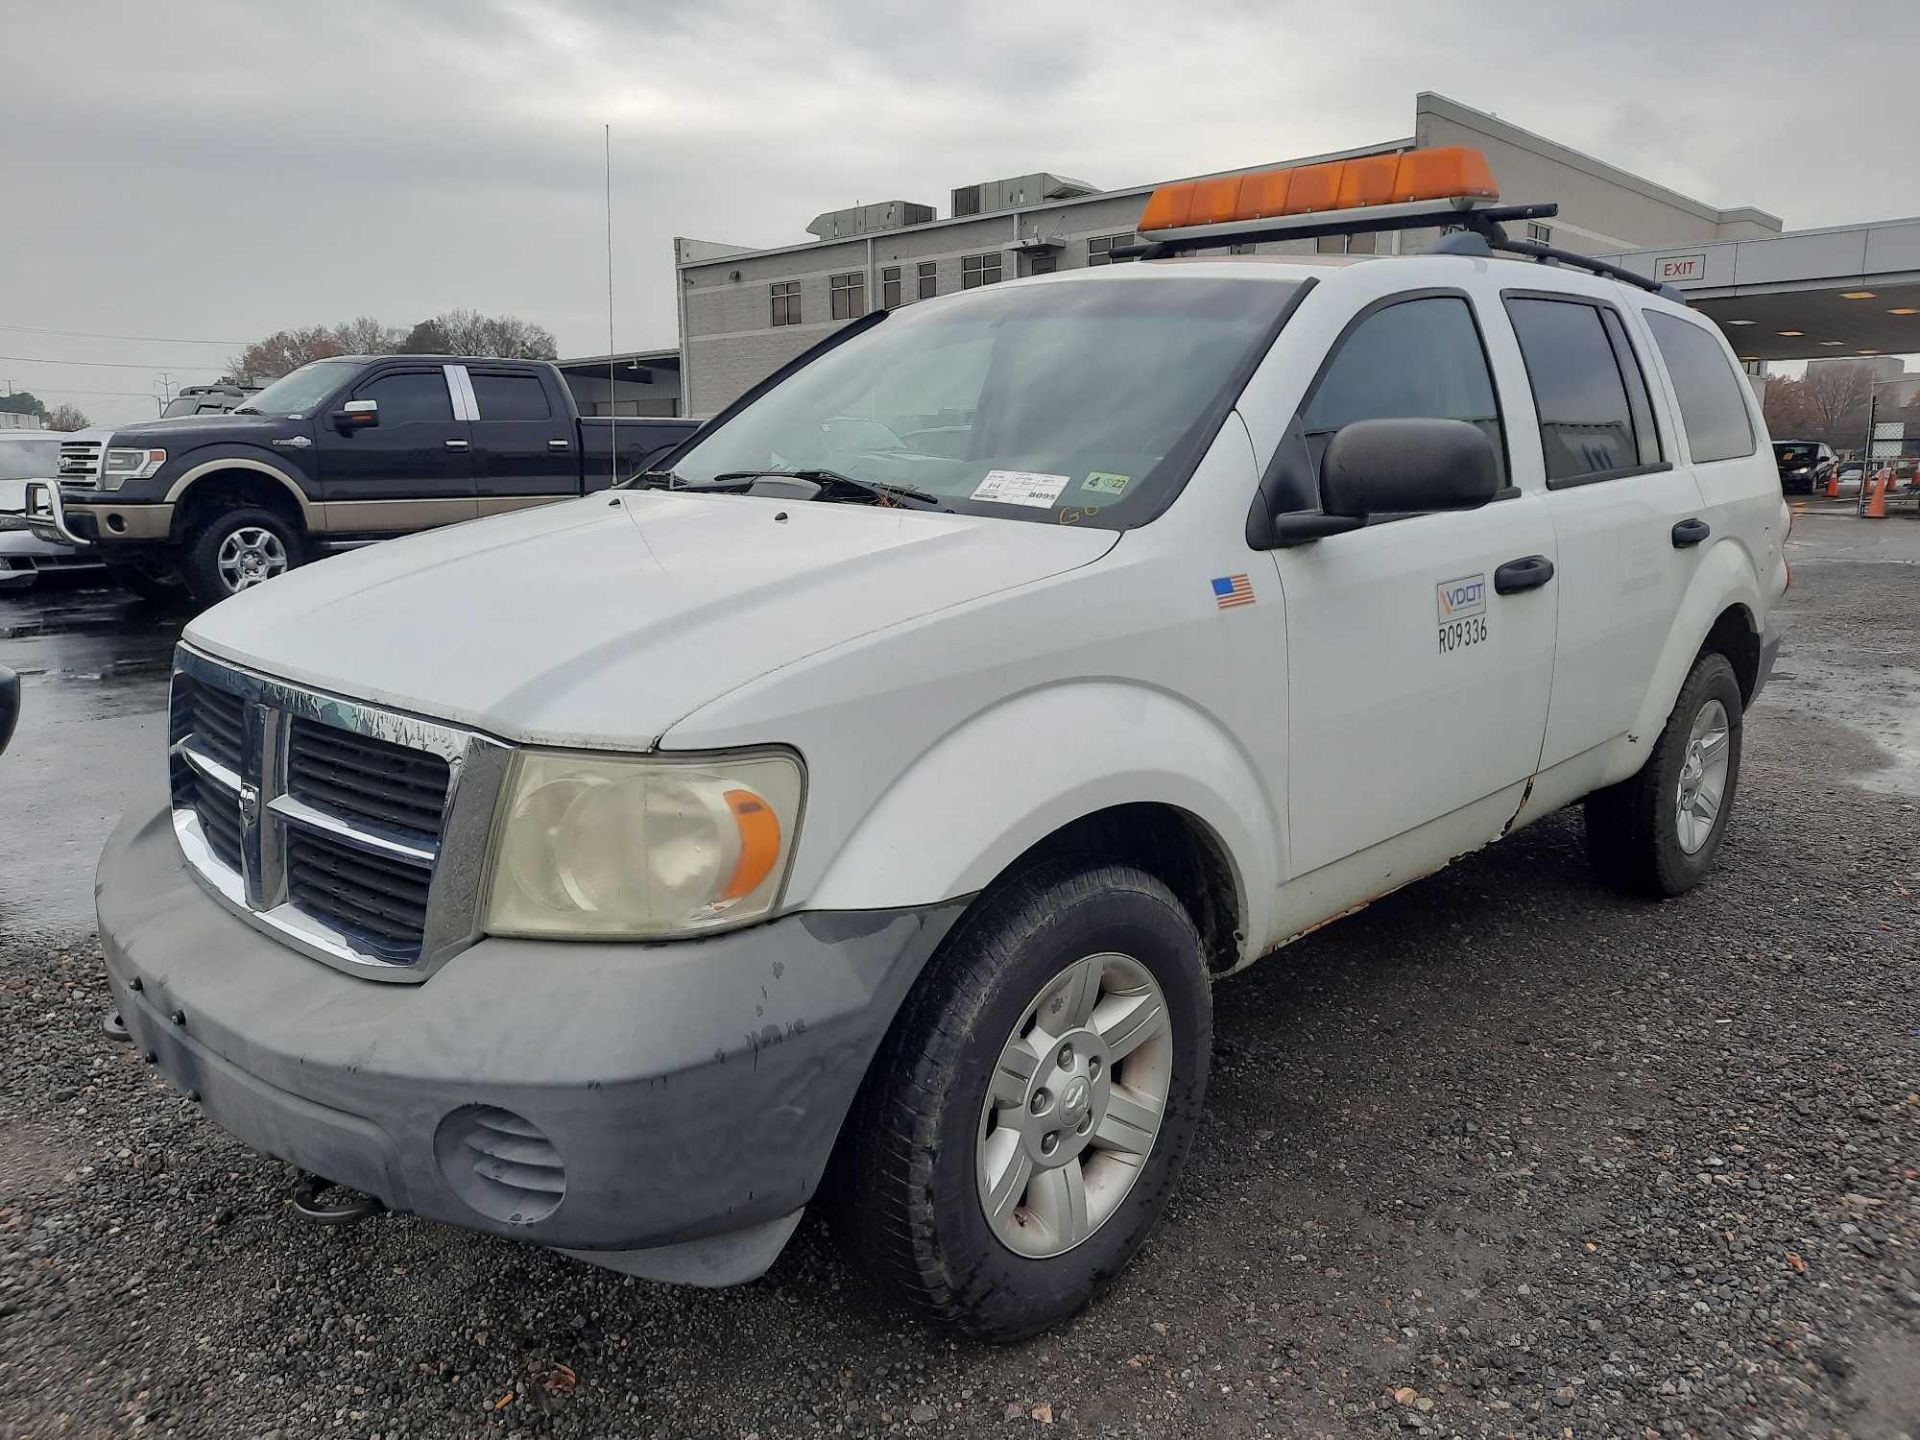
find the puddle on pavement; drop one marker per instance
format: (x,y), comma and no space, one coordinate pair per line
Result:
(1887,712)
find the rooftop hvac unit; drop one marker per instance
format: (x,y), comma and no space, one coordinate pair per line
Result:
(1014,194)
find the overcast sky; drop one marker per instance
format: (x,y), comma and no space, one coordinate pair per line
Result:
(221,170)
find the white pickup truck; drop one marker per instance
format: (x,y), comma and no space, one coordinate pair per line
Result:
(860,813)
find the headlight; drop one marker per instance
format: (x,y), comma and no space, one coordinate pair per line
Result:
(643,847)
(124,465)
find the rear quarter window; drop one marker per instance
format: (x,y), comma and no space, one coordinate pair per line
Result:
(1713,397)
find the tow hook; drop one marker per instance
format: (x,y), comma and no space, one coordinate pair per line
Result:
(352,1205)
(115,1027)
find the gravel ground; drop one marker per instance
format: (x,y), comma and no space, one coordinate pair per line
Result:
(1503,1155)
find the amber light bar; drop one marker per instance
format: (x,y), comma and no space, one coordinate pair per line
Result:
(1454,173)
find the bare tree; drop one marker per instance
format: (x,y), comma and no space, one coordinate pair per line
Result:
(288,350)
(1836,392)
(66,417)
(1790,409)
(467,332)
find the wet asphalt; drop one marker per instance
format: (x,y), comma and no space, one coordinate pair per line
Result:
(1503,1155)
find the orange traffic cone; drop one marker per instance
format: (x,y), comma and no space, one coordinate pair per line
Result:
(1877,500)
(1833,483)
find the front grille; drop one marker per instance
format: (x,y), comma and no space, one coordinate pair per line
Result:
(219,720)
(367,778)
(322,820)
(379,901)
(219,812)
(80,463)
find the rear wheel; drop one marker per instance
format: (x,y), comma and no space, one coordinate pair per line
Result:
(1658,832)
(237,550)
(1027,1119)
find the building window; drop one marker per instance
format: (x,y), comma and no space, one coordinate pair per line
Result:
(978,270)
(1100,248)
(1538,233)
(1245,247)
(1346,244)
(786,302)
(1043,264)
(929,280)
(890,287)
(849,295)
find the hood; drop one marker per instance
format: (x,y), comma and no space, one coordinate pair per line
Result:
(238,428)
(600,622)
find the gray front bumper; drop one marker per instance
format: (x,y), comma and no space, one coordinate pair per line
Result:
(694,1090)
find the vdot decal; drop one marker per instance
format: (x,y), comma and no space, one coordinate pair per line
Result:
(1462,604)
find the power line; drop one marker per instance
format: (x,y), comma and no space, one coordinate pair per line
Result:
(56,390)
(110,364)
(103,335)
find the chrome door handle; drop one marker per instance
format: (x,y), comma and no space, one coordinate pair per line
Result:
(456,444)
(558,444)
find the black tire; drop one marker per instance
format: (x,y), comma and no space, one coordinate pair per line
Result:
(907,1206)
(153,586)
(1632,836)
(202,568)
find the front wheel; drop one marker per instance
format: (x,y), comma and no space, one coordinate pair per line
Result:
(1657,833)
(1027,1119)
(237,550)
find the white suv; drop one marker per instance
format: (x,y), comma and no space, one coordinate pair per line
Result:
(879,793)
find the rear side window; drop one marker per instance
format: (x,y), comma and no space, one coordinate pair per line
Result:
(409,395)
(1713,398)
(1417,359)
(510,397)
(1595,418)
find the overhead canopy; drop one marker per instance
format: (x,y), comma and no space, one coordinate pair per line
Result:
(1808,294)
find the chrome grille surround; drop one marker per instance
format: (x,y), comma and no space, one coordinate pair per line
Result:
(452,860)
(80,462)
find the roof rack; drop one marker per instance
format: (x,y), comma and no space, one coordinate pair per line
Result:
(1476,229)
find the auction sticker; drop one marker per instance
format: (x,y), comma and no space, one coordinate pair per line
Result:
(1021,487)
(1105,482)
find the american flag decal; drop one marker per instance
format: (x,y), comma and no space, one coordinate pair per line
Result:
(1232,590)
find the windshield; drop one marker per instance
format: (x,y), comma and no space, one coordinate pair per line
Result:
(1793,454)
(296,393)
(34,459)
(1085,402)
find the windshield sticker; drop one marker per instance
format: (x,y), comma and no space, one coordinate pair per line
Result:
(1021,487)
(1105,482)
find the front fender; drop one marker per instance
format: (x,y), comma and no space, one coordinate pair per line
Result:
(1012,775)
(285,468)
(1725,576)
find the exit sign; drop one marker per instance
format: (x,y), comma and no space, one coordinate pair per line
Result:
(1671,269)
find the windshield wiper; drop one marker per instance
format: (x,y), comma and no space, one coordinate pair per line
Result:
(652,480)
(880,489)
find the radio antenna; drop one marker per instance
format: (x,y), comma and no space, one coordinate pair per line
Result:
(613,408)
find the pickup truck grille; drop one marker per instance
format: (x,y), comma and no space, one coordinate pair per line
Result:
(80,463)
(324,821)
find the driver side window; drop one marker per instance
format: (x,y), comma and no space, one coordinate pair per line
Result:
(1419,358)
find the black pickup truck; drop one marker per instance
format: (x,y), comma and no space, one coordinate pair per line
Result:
(338,453)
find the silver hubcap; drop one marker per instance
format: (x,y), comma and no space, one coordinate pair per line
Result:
(248,556)
(1703,776)
(1075,1105)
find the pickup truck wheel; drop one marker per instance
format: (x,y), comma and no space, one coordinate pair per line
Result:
(1658,832)
(237,550)
(1028,1117)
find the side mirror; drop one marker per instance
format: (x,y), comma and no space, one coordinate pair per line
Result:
(1397,467)
(357,415)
